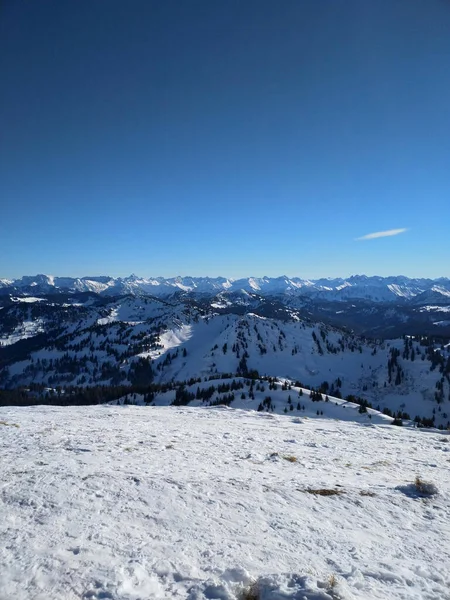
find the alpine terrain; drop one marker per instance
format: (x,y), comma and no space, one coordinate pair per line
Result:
(380,344)
(261,439)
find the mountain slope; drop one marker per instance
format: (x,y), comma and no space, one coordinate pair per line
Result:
(140,341)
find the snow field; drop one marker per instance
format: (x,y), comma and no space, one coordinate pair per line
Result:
(135,503)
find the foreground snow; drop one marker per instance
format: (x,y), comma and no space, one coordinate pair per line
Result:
(131,502)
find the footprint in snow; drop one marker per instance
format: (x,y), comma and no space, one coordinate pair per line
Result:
(98,593)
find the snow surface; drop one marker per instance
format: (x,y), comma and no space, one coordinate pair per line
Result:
(124,503)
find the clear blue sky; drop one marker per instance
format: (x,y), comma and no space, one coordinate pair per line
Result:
(244,137)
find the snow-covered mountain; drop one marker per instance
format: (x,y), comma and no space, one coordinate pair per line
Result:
(437,294)
(87,340)
(358,287)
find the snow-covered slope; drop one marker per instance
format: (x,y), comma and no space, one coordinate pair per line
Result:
(436,294)
(276,397)
(128,503)
(139,341)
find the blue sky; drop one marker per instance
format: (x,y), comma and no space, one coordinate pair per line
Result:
(233,138)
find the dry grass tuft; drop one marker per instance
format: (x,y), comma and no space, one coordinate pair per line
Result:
(419,482)
(324,492)
(425,488)
(419,489)
(332,581)
(290,458)
(250,592)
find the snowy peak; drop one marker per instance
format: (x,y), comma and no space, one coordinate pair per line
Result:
(357,287)
(436,294)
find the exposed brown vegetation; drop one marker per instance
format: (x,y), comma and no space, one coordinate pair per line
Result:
(250,592)
(324,492)
(291,458)
(425,488)
(332,581)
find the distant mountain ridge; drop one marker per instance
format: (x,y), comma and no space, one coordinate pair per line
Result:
(356,287)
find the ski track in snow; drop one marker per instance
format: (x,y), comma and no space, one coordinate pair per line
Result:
(127,503)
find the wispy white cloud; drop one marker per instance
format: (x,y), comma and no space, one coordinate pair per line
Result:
(380,234)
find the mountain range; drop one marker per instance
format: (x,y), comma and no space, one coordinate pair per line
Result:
(377,289)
